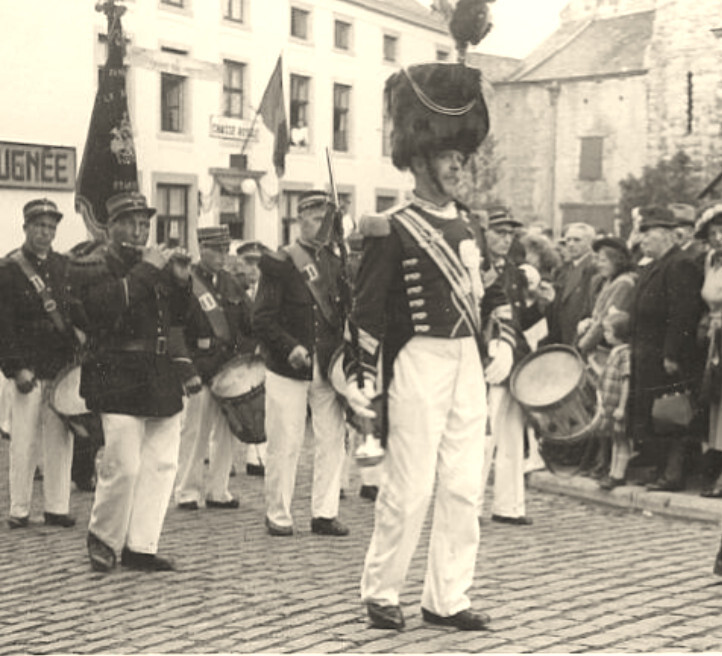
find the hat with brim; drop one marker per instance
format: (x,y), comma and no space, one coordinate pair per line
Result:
(655,216)
(497,216)
(710,214)
(610,242)
(250,250)
(41,207)
(684,213)
(127,202)
(214,237)
(310,199)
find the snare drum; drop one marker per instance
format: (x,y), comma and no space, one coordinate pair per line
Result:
(239,388)
(65,400)
(560,399)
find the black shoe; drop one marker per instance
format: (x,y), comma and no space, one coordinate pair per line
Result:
(516,521)
(665,485)
(53,519)
(255,470)
(385,617)
(231,504)
(609,482)
(18,522)
(369,492)
(188,505)
(465,620)
(102,557)
(324,526)
(277,530)
(145,562)
(718,564)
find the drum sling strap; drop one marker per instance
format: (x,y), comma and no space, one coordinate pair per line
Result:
(49,304)
(317,284)
(448,262)
(214,312)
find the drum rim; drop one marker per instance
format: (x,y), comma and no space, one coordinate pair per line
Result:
(533,355)
(54,384)
(582,432)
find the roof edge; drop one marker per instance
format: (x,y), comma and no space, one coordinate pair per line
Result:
(401,14)
(575,78)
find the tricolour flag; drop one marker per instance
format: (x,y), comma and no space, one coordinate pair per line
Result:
(273,112)
(109,163)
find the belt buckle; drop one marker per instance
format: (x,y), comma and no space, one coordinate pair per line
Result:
(161,345)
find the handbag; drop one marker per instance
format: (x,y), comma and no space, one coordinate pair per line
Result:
(673,413)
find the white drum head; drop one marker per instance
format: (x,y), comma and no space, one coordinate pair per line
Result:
(238,378)
(547,376)
(65,398)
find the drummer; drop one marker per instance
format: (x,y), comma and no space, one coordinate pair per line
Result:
(505,446)
(36,342)
(218,328)
(297,318)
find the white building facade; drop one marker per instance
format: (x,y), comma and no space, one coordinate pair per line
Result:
(197,72)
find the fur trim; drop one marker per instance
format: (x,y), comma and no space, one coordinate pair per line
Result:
(435,107)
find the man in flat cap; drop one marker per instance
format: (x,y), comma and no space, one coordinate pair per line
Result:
(298,320)
(37,341)
(136,297)
(665,312)
(505,445)
(686,216)
(420,307)
(218,329)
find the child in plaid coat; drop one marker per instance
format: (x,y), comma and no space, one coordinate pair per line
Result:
(614,391)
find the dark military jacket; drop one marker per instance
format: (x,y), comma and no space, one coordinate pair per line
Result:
(399,292)
(28,337)
(286,314)
(135,313)
(209,351)
(513,283)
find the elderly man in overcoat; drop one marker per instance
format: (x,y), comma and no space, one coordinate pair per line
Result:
(665,313)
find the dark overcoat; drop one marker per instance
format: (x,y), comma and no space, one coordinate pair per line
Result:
(665,311)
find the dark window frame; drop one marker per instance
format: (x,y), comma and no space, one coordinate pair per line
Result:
(342,35)
(341,117)
(300,30)
(164,218)
(591,158)
(229,11)
(229,91)
(390,48)
(168,121)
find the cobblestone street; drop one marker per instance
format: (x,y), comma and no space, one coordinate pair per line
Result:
(583,578)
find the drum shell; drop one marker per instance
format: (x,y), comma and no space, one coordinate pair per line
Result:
(246,415)
(83,424)
(572,417)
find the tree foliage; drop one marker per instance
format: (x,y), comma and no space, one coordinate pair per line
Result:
(673,180)
(481,176)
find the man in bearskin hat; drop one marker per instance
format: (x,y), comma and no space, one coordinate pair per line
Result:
(420,305)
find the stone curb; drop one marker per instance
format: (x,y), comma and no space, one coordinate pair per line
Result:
(677,505)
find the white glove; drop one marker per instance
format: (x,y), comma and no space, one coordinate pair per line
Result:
(360,399)
(502,359)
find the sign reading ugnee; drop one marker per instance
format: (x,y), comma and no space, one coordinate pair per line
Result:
(31,166)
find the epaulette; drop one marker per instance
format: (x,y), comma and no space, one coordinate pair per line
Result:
(374,225)
(88,253)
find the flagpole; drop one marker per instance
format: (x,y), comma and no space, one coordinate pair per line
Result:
(250,132)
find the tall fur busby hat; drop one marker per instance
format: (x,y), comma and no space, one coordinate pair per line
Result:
(435,107)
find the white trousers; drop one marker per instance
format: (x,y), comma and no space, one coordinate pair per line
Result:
(256,454)
(507,439)
(204,431)
(437,416)
(34,427)
(135,480)
(286,406)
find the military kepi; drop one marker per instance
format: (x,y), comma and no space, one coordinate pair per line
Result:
(499,215)
(311,199)
(214,236)
(127,201)
(41,207)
